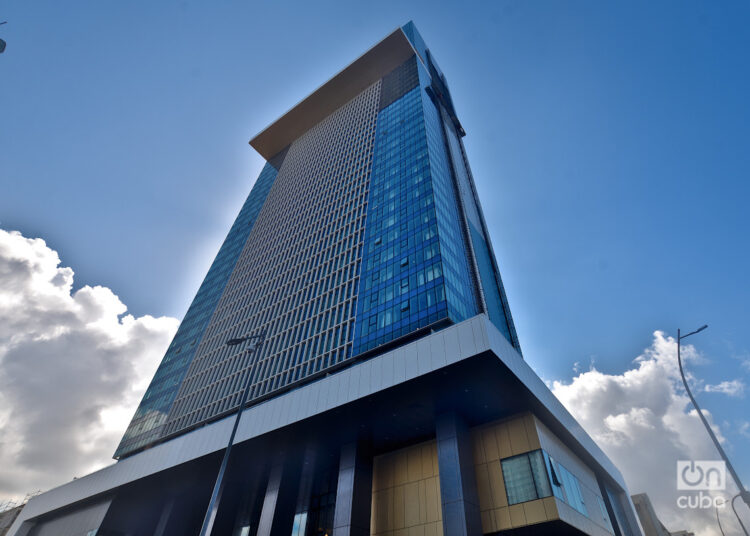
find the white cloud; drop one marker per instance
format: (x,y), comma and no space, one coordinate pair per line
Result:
(644,422)
(73,367)
(732,388)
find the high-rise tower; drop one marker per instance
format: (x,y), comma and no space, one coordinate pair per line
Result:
(389,395)
(362,232)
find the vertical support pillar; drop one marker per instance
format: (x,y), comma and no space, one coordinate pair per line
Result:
(166,512)
(307,476)
(247,509)
(458,488)
(353,491)
(277,514)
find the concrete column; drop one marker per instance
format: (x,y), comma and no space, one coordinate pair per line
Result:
(458,488)
(277,514)
(354,491)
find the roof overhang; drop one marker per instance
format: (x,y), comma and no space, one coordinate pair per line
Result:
(475,337)
(350,82)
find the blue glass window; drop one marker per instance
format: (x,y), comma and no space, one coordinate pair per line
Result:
(415,270)
(565,485)
(401,280)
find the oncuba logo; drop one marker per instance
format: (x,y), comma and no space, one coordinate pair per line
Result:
(700,476)
(695,475)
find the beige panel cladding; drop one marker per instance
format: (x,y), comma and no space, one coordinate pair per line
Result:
(406,493)
(523,433)
(360,74)
(493,442)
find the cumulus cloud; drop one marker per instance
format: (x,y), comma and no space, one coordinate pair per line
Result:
(644,422)
(73,366)
(734,388)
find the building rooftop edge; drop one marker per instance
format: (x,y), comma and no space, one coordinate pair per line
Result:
(376,62)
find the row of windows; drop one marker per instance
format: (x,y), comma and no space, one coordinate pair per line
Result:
(401,288)
(297,277)
(406,283)
(406,311)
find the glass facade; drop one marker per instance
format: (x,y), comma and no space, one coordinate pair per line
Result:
(402,287)
(488,275)
(460,282)
(415,269)
(566,487)
(363,232)
(492,296)
(149,418)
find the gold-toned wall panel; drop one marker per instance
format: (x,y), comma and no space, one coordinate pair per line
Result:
(406,493)
(493,442)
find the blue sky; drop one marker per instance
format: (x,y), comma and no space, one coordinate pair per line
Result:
(609,142)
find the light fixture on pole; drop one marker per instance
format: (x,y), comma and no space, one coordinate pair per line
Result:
(2,42)
(744,494)
(213,504)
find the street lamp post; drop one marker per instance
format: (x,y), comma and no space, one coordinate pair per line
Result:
(737,515)
(744,494)
(716,507)
(213,504)
(718,521)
